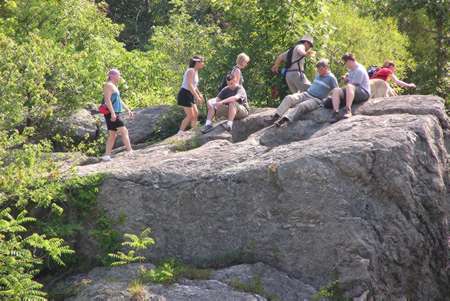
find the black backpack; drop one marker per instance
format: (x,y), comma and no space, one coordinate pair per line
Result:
(289,62)
(372,70)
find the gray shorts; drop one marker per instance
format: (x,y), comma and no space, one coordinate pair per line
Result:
(360,96)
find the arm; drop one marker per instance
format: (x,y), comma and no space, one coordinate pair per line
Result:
(240,95)
(130,113)
(278,61)
(107,92)
(401,83)
(230,99)
(303,52)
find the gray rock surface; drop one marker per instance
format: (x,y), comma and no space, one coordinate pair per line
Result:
(114,284)
(362,201)
(143,125)
(79,126)
(274,283)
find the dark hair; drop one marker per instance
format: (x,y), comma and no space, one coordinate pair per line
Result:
(388,63)
(195,59)
(348,57)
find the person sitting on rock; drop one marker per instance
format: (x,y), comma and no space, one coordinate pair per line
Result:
(294,59)
(307,101)
(356,91)
(115,105)
(242,61)
(388,72)
(189,94)
(231,103)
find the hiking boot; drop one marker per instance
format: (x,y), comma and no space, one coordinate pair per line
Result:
(273,118)
(334,118)
(281,121)
(348,114)
(207,128)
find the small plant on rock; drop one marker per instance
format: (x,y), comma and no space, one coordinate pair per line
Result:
(136,289)
(136,243)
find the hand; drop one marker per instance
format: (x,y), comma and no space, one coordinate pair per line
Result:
(218,104)
(274,69)
(113,116)
(310,53)
(201,98)
(412,86)
(130,114)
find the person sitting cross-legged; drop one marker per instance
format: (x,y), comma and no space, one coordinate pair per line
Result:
(309,100)
(231,103)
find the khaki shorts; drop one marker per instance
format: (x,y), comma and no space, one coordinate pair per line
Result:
(241,111)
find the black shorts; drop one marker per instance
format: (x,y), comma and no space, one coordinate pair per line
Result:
(113,125)
(360,96)
(185,98)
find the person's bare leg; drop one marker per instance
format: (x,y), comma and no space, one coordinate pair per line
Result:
(194,112)
(335,98)
(349,97)
(110,142)
(231,111)
(125,138)
(211,110)
(187,119)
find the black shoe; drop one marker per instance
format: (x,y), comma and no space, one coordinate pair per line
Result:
(273,118)
(207,128)
(281,121)
(334,118)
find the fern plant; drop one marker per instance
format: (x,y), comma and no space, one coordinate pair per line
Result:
(135,243)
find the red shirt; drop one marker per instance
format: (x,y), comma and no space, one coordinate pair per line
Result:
(383,74)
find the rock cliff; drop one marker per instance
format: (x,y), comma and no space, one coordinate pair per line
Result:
(362,201)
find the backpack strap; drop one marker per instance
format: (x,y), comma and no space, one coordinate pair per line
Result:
(298,63)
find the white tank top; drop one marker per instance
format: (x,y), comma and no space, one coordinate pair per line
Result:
(185,83)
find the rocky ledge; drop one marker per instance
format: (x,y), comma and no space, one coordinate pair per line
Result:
(362,202)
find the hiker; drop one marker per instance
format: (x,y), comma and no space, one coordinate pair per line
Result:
(310,100)
(111,97)
(231,103)
(294,59)
(189,94)
(242,61)
(388,72)
(357,89)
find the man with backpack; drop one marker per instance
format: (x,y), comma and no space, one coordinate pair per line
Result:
(294,69)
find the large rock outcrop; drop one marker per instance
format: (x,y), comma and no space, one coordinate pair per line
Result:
(362,201)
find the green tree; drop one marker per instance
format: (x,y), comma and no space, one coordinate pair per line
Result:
(139,18)
(427,24)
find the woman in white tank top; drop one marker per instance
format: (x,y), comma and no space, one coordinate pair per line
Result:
(189,94)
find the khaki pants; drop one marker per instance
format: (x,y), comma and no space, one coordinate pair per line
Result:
(303,103)
(241,111)
(297,82)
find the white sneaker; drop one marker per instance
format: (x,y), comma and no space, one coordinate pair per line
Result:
(106,158)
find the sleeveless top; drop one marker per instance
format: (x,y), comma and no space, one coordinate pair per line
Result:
(116,101)
(185,84)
